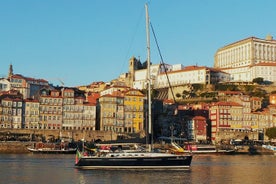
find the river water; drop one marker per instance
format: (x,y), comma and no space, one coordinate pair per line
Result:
(205,169)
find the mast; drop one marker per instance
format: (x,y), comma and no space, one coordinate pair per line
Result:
(148,78)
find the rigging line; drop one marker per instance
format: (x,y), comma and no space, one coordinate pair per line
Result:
(133,38)
(162,62)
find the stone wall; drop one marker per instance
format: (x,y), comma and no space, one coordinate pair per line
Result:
(21,147)
(228,135)
(14,147)
(76,135)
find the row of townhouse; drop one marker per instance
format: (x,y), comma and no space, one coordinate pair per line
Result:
(230,116)
(53,109)
(120,111)
(35,104)
(236,115)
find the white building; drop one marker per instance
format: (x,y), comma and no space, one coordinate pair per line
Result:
(178,75)
(140,76)
(248,59)
(191,75)
(5,84)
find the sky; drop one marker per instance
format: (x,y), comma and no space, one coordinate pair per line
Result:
(83,41)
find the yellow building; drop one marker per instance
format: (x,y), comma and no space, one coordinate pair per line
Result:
(122,112)
(134,111)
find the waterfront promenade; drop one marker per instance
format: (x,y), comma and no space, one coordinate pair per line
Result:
(14,147)
(17,140)
(46,134)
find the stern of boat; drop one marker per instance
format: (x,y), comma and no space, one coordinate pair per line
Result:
(78,157)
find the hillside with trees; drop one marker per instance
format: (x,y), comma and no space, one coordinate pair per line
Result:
(196,93)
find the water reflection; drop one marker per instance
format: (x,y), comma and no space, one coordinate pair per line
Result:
(238,169)
(234,169)
(132,176)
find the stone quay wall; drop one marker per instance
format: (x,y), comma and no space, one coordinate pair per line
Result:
(31,136)
(14,147)
(76,135)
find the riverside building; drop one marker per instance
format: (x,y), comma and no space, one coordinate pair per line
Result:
(122,112)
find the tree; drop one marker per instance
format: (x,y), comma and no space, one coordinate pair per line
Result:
(258,80)
(178,95)
(271,132)
(259,93)
(226,87)
(197,87)
(186,94)
(249,88)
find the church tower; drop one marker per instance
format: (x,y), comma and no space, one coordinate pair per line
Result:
(133,65)
(10,71)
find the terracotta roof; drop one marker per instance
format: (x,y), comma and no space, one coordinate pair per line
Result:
(256,98)
(31,100)
(168,101)
(112,95)
(222,103)
(19,76)
(199,118)
(126,93)
(265,64)
(7,99)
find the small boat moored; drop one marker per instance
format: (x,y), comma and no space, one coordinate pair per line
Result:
(52,148)
(207,149)
(269,147)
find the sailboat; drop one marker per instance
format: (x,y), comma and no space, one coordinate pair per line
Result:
(139,159)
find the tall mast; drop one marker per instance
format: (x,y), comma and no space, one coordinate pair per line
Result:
(148,76)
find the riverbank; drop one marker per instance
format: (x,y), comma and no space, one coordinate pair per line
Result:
(253,150)
(14,147)
(21,147)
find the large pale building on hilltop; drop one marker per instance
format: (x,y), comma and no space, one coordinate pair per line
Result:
(248,59)
(191,75)
(164,75)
